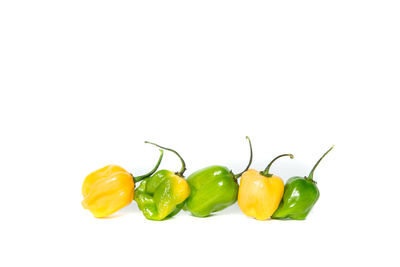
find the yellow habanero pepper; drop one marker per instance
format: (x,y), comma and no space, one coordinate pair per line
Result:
(260,192)
(110,188)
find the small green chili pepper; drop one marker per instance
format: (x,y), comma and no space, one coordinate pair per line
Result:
(213,189)
(300,195)
(163,194)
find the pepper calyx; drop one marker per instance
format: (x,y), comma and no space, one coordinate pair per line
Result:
(310,180)
(234,177)
(266,175)
(179,174)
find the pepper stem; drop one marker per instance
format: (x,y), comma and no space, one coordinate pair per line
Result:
(236,176)
(183,169)
(311,175)
(266,171)
(139,178)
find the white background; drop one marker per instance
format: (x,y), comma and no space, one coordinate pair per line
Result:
(84,83)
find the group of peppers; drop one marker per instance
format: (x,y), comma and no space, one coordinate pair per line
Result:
(164,193)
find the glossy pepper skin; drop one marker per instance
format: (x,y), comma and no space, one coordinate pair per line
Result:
(110,188)
(162,195)
(213,188)
(301,194)
(260,192)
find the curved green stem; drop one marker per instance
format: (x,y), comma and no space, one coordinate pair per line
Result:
(183,169)
(311,175)
(236,176)
(266,171)
(139,178)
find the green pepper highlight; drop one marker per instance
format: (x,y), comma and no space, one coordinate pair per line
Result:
(163,194)
(213,188)
(299,197)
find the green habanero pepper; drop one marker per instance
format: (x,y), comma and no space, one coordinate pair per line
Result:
(163,194)
(213,188)
(300,195)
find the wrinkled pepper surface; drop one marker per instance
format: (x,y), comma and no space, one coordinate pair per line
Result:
(163,194)
(110,188)
(301,194)
(213,189)
(260,192)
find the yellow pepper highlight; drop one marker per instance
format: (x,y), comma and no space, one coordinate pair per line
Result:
(260,192)
(107,190)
